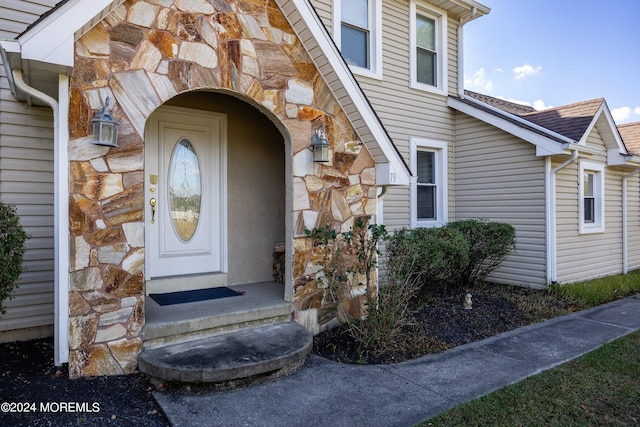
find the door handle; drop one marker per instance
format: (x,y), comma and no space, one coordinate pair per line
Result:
(153,202)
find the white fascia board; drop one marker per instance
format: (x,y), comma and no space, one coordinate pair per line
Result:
(10,54)
(51,50)
(544,146)
(586,150)
(387,175)
(543,152)
(614,129)
(10,51)
(474,4)
(613,154)
(616,158)
(392,173)
(52,39)
(518,119)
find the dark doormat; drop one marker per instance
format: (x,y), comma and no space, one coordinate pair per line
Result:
(182,297)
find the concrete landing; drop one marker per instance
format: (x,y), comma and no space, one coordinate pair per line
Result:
(230,356)
(261,304)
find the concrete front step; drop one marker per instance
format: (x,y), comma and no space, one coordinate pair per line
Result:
(231,356)
(261,304)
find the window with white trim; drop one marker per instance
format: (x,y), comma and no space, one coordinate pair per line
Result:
(428,48)
(357,32)
(591,205)
(429,201)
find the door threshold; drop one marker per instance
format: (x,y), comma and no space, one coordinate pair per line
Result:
(186,283)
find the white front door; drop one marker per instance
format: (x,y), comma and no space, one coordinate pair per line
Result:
(185,193)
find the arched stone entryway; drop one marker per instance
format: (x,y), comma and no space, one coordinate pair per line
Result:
(144,55)
(251,181)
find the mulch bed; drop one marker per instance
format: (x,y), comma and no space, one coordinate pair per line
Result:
(45,396)
(440,322)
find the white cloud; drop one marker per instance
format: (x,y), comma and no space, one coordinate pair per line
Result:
(498,70)
(625,114)
(621,114)
(540,105)
(479,80)
(526,70)
(515,101)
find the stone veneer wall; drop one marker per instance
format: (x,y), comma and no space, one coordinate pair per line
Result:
(141,55)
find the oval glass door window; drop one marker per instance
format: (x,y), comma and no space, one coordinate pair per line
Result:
(185,189)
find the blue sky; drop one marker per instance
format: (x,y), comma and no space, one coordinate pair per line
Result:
(548,53)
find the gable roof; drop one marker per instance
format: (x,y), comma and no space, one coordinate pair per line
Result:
(46,49)
(552,130)
(571,120)
(630,133)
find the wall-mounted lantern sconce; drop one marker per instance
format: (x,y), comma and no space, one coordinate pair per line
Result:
(105,127)
(320,146)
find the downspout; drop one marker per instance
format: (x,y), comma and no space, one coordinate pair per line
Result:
(551,216)
(625,261)
(463,20)
(61,207)
(380,205)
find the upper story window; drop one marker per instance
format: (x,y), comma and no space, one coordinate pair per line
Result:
(426,54)
(357,32)
(429,192)
(428,48)
(591,207)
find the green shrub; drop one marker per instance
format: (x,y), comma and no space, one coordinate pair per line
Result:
(433,255)
(489,244)
(12,247)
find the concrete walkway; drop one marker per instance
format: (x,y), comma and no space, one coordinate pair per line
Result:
(325,393)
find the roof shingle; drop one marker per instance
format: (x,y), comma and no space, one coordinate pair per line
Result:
(630,133)
(570,120)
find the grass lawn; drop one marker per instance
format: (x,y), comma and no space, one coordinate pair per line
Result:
(601,388)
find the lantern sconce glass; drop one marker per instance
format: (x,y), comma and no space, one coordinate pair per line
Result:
(320,146)
(105,127)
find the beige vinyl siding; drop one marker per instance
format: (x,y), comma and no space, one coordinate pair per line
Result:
(26,180)
(633,223)
(588,256)
(17,15)
(323,9)
(405,112)
(499,178)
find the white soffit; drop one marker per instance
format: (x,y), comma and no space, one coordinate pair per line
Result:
(52,39)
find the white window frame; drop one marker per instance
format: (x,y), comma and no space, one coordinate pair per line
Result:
(440,149)
(598,191)
(442,69)
(375,37)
